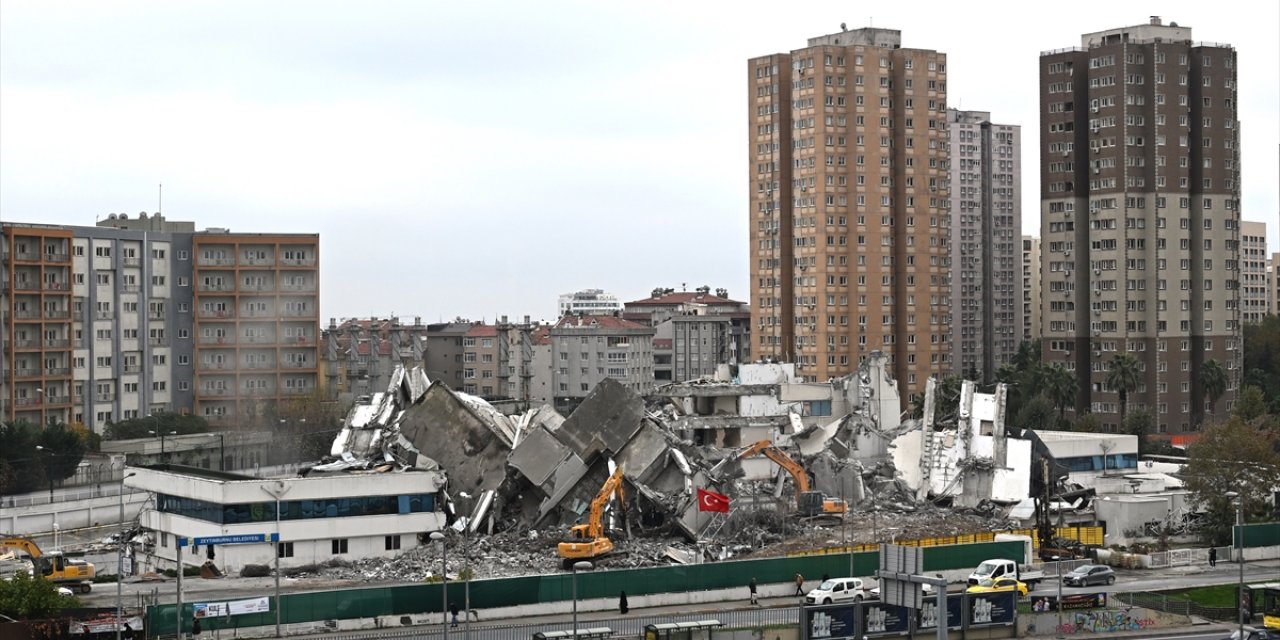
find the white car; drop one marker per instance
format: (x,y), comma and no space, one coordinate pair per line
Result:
(65,592)
(837,590)
(928,591)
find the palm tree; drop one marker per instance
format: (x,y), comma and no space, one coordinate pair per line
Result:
(1061,387)
(1123,376)
(1213,381)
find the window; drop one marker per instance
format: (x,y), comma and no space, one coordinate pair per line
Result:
(284,549)
(390,543)
(339,546)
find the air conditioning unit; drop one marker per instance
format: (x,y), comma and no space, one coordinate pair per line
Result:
(1095,108)
(1096,171)
(1065,153)
(1097,312)
(1067,253)
(1097,272)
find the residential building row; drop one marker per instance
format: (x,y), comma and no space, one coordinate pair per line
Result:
(139,314)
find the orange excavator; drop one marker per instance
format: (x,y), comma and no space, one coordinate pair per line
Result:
(55,567)
(587,541)
(808,502)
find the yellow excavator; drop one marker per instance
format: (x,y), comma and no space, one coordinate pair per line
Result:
(808,502)
(587,541)
(55,567)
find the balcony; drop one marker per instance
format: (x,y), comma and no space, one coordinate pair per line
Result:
(26,286)
(131,262)
(214,366)
(296,391)
(297,262)
(26,344)
(102,315)
(26,373)
(258,262)
(27,315)
(55,372)
(298,287)
(131,368)
(257,287)
(58,399)
(57,257)
(300,365)
(156,314)
(30,256)
(57,314)
(61,343)
(79,344)
(157,342)
(216,262)
(214,315)
(129,288)
(27,402)
(215,392)
(104,397)
(214,287)
(56,286)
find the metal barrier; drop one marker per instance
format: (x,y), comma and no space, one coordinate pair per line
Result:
(1162,602)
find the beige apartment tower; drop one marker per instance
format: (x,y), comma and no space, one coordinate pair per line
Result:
(1140,218)
(848,195)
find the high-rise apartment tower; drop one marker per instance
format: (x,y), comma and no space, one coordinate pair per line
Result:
(986,243)
(1140,222)
(848,196)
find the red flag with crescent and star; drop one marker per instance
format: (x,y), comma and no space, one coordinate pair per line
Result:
(712,501)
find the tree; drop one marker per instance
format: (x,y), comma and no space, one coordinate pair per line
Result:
(1238,455)
(62,450)
(31,598)
(1213,381)
(946,398)
(1037,415)
(1123,376)
(1251,404)
(152,425)
(23,469)
(1262,359)
(1087,422)
(1140,423)
(1061,388)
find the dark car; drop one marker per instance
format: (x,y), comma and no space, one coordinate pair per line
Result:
(1088,574)
(1255,633)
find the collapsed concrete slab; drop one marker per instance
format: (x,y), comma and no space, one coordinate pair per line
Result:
(456,432)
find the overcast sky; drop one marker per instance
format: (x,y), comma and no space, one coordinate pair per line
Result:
(480,158)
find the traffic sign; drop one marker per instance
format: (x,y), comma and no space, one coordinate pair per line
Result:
(244,538)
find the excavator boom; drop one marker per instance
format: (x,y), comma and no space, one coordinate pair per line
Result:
(588,540)
(55,567)
(806,499)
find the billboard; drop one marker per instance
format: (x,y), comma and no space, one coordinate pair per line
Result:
(1041,604)
(990,609)
(927,616)
(830,622)
(884,618)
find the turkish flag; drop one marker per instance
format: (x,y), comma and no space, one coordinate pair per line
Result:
(712,501)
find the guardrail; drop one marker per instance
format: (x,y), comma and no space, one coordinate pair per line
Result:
(1162,602)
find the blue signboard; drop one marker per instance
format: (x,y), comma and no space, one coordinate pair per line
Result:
(886,619)
(986,609)
(830,622)
(244,538)
(927,615)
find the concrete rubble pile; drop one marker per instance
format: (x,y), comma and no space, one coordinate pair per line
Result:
(516,482)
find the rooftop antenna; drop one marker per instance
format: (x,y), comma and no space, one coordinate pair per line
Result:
(160,202)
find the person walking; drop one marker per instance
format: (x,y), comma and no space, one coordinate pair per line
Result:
(799,584)
(752,588)
(453,613)
(1213,556)
(622,603)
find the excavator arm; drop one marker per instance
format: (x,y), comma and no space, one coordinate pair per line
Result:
(588,540)
(808,503)
(25,544)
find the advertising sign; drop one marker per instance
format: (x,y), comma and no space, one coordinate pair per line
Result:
(987,609)
(234,608)
(1041,604)
(927,615)
(830,622)
(885,618)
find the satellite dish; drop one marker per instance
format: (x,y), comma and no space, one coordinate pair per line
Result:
(843,28)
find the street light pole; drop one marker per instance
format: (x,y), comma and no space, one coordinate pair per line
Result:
(466,566)
(48,469)
(585,566)
(444,584)
(1058,561)
(280,489)
(1237,549)
(120,559)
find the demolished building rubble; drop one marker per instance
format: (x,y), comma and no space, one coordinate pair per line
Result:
(523,479)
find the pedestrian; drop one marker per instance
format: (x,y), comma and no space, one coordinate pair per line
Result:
(752,588)
(1213,556)
(826,577)
(622,603)
(128,632)
(453,611)
(799,584)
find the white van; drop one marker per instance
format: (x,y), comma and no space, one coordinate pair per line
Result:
(837,590)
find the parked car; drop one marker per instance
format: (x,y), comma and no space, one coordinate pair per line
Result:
(928,591)
(65,592)
(1255,633)
(1088,574)
(837,590)
(999,584)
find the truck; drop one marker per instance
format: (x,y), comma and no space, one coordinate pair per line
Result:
(1002,568)
(808,502)
(55,567)
(588,541)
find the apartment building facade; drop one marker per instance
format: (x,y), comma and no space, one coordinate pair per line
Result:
(1140,218)
(848,206)
(359,355)
(693,331)
(1255,288)
(587,349)
(986,235)
(109,322)
(1031,298)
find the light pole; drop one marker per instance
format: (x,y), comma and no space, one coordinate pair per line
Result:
(444,583)
(466,566)
(1058,561)
(1237,549)
(280,489)
(120,559)
(48,469)
(584,566)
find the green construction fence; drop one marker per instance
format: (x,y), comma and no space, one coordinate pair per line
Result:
(507,592)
